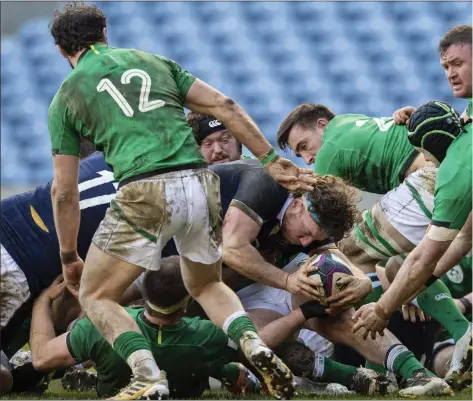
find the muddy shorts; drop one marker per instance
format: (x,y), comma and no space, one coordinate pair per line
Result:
(14,289)
(395,224)
(147,213)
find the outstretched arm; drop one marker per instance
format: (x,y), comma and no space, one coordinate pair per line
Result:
(204,99)
(239,232)
(66,209)
(278,331)
(414,273)
(48,352)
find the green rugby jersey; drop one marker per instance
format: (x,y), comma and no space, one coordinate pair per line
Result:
(452,203)
(130,105)
(373,154)
(192,348)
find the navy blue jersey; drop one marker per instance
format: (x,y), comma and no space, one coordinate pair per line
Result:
(27,228)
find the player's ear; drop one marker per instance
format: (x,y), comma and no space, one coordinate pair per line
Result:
(105,35)
(322,123)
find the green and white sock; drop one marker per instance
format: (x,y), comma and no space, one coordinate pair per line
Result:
(237,324)
(329,371)
(403,362)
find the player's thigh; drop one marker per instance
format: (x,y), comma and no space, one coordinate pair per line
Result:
(106,276)
(14,289)
(200,240)
(374,239)
(196,275)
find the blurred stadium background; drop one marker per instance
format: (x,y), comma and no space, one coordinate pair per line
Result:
(355,57)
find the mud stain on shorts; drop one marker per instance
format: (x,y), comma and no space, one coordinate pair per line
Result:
(211,185)
(144,204)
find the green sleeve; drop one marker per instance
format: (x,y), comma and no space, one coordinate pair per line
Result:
(77,340)
(65,140)
(327,161)
(452,203)
(81,339)
(184,79)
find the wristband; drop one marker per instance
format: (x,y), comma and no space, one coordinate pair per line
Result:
(312,309)
(68,257)
(432,279)
(268,158)
(467,304)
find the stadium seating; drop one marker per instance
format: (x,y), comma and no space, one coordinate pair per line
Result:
(359,57)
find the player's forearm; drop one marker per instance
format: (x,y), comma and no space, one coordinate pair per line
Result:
(413,274)
(278,331)
(66,218)
(41,332)
(247,261)
(242,127)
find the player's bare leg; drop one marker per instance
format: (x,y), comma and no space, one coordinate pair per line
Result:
(104,280)
(223,307)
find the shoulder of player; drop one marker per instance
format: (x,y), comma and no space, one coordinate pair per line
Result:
(337,130)
(67,88)
(459,154)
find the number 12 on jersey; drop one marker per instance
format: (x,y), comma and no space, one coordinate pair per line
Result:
(144,105)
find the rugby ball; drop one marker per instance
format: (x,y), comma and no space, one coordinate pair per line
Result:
(330,270)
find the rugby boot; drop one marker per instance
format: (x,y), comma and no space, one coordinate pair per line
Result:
(459,375)
(277,377)
(141,389)
(421,385)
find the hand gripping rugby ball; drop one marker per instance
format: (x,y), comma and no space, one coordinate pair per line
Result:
(330,270)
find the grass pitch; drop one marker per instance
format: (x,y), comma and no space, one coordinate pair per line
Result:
(55,392)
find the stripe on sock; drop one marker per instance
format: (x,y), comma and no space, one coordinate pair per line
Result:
(231,318)
(318,366)
(392,354)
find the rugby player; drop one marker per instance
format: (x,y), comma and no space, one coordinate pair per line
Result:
(452,208)
(130,104)
(264,227)
(216,143)
(455,58)
(29,245)
(375,155)
(207,351)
